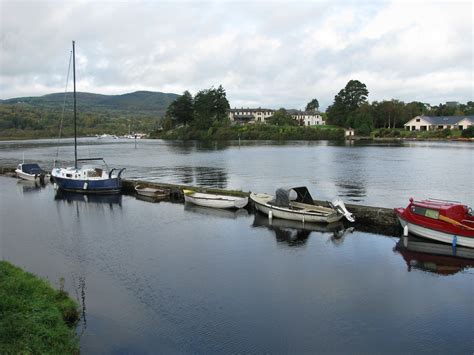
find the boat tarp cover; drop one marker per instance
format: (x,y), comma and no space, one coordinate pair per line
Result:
(282,196)
(32,169)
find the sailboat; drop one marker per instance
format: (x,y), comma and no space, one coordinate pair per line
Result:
(86,179)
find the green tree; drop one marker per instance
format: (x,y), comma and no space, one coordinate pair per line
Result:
(210,106)
(182,109)
(282,118)
(346,102)
(313,105)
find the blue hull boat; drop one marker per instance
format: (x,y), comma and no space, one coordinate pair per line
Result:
(86,179)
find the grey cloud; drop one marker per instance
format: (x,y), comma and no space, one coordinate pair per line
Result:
(265,53)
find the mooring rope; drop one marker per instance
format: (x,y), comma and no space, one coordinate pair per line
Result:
(64,107)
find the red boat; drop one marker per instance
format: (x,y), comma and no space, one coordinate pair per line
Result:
(444,221)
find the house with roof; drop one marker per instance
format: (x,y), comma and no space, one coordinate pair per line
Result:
(307,118)
(250,115)
(261,115)
(431,123)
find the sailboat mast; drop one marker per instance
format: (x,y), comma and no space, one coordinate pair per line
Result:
(74,76)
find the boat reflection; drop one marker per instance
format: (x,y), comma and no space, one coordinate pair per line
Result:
(296,233)
(30,186)
(428,256)
(216,212)
(73,197)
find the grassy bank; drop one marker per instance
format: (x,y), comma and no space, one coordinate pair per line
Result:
(253,132)
(401,133)
(34,318)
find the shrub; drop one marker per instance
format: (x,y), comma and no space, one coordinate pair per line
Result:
(468,132)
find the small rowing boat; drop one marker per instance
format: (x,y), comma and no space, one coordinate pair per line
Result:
(214,200)
(151,192)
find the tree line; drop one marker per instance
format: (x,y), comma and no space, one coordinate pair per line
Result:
(352,109)
(207,108)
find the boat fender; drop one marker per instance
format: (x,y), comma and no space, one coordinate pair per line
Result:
(85,186)
(120,172)
(270,214)
(455,241)
(405,231)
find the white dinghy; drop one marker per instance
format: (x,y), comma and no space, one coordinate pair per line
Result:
(214,200)
(297,204)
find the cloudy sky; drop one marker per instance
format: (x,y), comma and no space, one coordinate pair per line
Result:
(265,53)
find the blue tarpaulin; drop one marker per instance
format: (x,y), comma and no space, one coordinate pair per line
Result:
(32,169)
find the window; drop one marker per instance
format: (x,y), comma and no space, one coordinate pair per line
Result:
(417,120)
(426,212)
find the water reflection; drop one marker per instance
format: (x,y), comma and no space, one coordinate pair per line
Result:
(215,212)
(30,186)
(352,190)
(200,175)
(296,233)
(441,259)
(187,147)
(73,197)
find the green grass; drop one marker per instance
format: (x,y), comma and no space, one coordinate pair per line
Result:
(34,317)
(401,133)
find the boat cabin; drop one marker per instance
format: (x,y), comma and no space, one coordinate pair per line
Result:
(433,208)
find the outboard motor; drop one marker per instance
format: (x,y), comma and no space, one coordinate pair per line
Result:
(341,208)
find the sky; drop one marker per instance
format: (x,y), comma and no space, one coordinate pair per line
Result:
(268,54)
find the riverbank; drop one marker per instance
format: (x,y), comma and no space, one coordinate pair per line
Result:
(252,132)
(34,317)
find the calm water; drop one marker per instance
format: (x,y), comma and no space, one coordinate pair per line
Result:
(168,278)
(376,174)
(164,277)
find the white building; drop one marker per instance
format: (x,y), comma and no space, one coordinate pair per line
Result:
(431,123)
(307,118)
(250,115)
(260,115)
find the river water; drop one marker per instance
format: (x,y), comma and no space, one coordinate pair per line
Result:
(172,278)
(382,174)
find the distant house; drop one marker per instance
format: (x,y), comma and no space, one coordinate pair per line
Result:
(307,118)
(349,133)
(250,115)
(261,115)
(431,123)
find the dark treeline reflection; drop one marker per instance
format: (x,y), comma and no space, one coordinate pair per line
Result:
(442,259)
(295,234)
(189,175)
(188,147)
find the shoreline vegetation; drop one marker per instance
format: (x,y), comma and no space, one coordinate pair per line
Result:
(34,317)
(205,116)
(278,133)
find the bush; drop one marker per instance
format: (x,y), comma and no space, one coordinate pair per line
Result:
(468,132)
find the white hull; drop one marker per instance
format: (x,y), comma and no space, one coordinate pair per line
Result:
(25,176)
(150,192)
(261,204)
(216,201)
(29,177)
(436,235)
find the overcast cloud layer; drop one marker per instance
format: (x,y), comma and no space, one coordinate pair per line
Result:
(268,54)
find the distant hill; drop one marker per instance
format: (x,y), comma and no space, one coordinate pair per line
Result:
(140,101)
(39,117)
